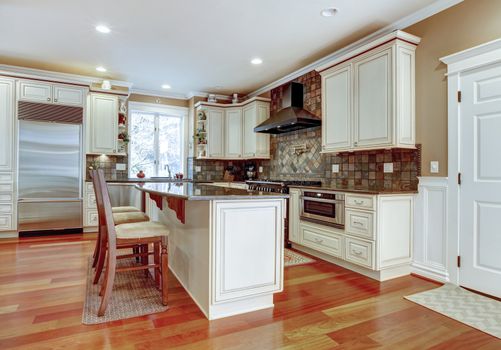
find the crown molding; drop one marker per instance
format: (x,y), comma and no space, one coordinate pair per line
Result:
(156,93)
(474,57)
(405,22)
(24,72)
(206,94)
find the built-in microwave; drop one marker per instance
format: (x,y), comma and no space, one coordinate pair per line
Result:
(323,207)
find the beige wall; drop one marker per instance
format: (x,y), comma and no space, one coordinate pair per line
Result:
(465,25)
(158,100)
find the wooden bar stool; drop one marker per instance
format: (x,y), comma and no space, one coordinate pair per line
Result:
(122,215)
(127,235)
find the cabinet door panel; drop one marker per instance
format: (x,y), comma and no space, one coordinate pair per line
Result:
(215,132)
(262,140)
(35,91)
(6,124)
(373,102)
(249,136)
(336,127)
(68,95)
(104,124)
(294,216)
(233,132)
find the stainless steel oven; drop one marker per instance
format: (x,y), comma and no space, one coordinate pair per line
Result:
(323,207)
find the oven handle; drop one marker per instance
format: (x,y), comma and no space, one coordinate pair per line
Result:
(313,199)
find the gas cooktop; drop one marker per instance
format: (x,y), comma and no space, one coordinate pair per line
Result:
(282,186)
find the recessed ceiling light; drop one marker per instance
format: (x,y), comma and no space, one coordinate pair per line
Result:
(101,69)
(329,12)
(256,60)
(103,29)
(166,86)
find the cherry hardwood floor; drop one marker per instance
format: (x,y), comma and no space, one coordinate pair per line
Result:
(42,282)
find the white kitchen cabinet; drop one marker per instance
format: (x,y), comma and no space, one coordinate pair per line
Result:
(69,95)
(376,240)
(233,133)
(337,92)
(6,124)
(102,124)
(229,130)
(215,133)
(368,96)
(35,91)
(294,212)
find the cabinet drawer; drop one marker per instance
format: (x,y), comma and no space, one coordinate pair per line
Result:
(5,222)
(6,197)
(91,218)
(6,177)
(6,188)
(35,91)
(322,240)
(5,208)
(360,201)
(360,223)
(90,201)
(359,252)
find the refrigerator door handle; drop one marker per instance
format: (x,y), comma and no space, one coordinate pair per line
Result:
(39,200)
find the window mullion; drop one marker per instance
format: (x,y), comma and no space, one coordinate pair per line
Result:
(157,146)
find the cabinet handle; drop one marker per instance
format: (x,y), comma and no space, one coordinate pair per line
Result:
(355,144)
(358,223)
(48,99)
(357,202)
(318,240)
(357,252)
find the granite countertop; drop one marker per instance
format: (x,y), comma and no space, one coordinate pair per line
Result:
(361,190)
(146,179)
(203,191)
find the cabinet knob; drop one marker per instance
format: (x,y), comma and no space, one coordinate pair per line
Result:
(55,100)
(114,151)
(48,99)
(355,144)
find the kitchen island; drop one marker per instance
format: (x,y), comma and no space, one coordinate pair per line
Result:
(225,244)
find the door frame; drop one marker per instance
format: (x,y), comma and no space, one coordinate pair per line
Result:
(458,64)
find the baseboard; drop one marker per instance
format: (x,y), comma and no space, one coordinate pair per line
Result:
(430,272)
(9,234)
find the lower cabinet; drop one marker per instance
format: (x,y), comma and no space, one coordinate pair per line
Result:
(90,215)
(377,234)
(7,202)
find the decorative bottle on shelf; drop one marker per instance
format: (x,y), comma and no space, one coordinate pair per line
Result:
(141,174)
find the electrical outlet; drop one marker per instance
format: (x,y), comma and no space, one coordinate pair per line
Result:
(198,168)
(434,167)
(388,167)
(121,166)
(260,169)
(335,168)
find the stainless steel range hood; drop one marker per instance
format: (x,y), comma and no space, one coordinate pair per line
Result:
(292,116)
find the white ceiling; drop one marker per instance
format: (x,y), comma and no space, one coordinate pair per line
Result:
(192,45)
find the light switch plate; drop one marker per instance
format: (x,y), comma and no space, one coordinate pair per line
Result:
(121,166)
(388,167)
(198,168)
(260,169)
(335,168)
(434,166)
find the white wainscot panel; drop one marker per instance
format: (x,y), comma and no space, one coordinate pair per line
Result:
(430,229)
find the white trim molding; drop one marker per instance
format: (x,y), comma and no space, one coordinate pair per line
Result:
(474,57)
(430,229)
(428,11)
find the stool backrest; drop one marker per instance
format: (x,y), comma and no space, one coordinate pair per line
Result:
(104,209)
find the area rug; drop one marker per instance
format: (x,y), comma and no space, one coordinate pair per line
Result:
(464,306)
(292,258)
(133,295)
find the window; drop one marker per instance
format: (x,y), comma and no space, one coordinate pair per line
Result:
(156,142)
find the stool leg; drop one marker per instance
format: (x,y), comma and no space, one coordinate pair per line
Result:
(144,258)
(102,256)
(97,247)
(165,272)
(156,260)
(107,285)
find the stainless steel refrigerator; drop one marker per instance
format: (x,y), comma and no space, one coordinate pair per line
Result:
(50,176)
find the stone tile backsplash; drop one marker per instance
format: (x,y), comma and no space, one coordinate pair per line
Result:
(108,164)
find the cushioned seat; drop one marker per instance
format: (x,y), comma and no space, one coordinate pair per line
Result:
(141,230)
(124,209)
(130,217)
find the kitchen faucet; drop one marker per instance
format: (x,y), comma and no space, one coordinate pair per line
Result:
(167,167)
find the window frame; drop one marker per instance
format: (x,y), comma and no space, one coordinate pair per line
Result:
(157,110)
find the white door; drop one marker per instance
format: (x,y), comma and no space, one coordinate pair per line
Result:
(233,132)
(104,124)
(373,102)
(480,190)
(6,124)
(35,91)
(215,132)
(68,95)
(249,116)
(336,127)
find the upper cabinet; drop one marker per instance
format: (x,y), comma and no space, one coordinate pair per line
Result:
(34,91)
(102,124)
(6,124)
(368,96)
(227,131)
